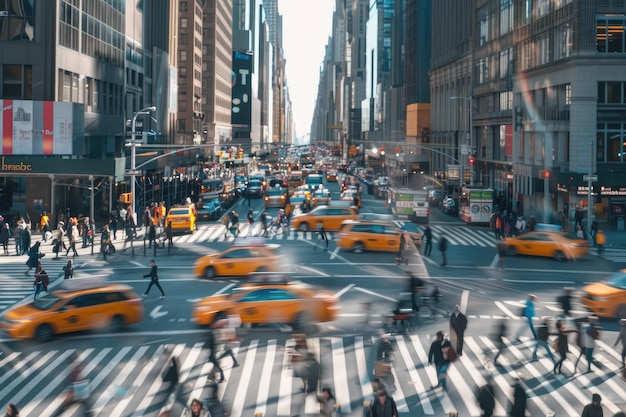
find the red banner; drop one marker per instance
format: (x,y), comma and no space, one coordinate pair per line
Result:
(48,127)
(508,140)
(7,127)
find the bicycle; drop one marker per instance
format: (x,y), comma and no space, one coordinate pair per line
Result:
(279,226)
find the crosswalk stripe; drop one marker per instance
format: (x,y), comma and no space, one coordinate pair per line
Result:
(361,364)
(340,375)
(415,378)
(184,372)
(264,389)
(311,406)
(286,383)
(246,376)
(444,399)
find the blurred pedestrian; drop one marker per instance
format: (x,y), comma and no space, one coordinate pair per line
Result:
(327,402)
(427,237)
(448,356)
(443,247)
(44,225)
(528,312)
(384,405)
(41,281)
(151,235)
(435,354)
(501,249)
(250,219)
(114,219)
(196,409)
(565,301)
(600,241)
(518,407)
(211,345)
(169,234)
(68,270)
(562,344)
(5,233)
(154,279)
(458,324)
(404,248)
(229,336)
(33,257)
(26,239)
(542,340)
(593,409)
(12,411)
(18,238)
(486,399)
(321,232)
(78,390)
(172,374)
(105,241)
(621,337)
(587,336)
(499,339)
(72,233)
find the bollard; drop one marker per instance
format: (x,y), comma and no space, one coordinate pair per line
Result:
(336,410)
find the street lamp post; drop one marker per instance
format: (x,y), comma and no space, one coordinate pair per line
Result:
(471,124)
(133,156)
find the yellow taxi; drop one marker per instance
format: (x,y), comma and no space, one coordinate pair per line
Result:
(555,245)
(245,257)
(275,197)
(331,176)
(607,298)
(328,216)
(73,305)
(373,235)
(321,197)
(183,219)
(269,301)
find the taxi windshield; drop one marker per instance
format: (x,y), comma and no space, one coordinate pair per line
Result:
(45,302)
(617,280)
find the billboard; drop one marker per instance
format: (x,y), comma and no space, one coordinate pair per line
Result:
(242,90)
(36,127)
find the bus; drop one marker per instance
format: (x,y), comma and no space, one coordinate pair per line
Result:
(475,204)
(409,204)
(212,188)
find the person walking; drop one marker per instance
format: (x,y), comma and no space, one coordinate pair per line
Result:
(448,356)
(501,250)
(587,336)
(72,233)
(600,241)
(458,324)
(105,241)
(443,246)
(435,354)
(384,405)
(114,219)
(26,239)
(593,409)
(130,226)
(486,399)
(403,248)
(427,237)
(18,237)
(68,270)
(528,313)
(211,344)
(499,339)
(518,407)
(621,337)
(542,340)
(5,233)
(154,279)
(41,281)
(322,235)
(44,225)
(33,257)
(565,301)
(12,411)
(562,344)
(250,219)
(169,234)
(578,218)
(229,335)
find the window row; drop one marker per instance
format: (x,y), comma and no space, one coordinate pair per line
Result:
(97,95)
(610,34)
(611,92)
(611,142)
(17,81)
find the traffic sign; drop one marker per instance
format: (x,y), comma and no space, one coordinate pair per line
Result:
(132,172)
(591,178)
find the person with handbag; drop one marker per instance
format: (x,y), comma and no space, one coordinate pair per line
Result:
(68,270)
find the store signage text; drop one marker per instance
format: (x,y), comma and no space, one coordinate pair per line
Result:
(16,167)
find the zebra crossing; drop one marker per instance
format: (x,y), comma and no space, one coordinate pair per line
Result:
(126,380)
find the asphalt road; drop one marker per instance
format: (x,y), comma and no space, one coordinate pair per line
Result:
(125,369)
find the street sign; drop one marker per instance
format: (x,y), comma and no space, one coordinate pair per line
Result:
(132,172)
(591,178)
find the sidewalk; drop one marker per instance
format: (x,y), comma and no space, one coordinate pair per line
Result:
(615,239)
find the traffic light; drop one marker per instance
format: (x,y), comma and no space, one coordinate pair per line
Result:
(472,160)
(240,153)
(544,174)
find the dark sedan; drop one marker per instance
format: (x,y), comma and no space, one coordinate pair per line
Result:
(255,188)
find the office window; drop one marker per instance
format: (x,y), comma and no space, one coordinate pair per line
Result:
(182,56)
(506,16)
(181,125)
(184,7)
(610,34)
(525,55)
(527,12)
(543,43)
(543,7)
(506,63)
(568,94)
(562,41)
(483,26)
(183,23)
(12,81)
(483,70)
(506,100)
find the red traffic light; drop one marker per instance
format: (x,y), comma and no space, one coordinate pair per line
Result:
(544,174)
(472,160)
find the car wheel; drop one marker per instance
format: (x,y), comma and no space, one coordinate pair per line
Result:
(511,251)
(304,227)
(621,312)
(209,272)
(559,256)
(358,247)
(117,323)
(44,333)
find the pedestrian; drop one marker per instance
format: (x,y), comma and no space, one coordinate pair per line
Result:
(151,235)
(5,233)
(448,356)
(41,281)
(72,233)
(621,337)
(105,241)
(229,335)
(146,219)
(528,312)
(12,411)
(169,234)
(443,246)
(233,228)
(211,344)
(565,301)
(499,339)
(26,239)
(383,405)
(427,237)
(154,279)
(594,231)
(61,234)
(542,340)
(264,222)
(403,248)
(18,238)
(68,270)
(486,399)
(518,407)
(561,344)
(250,219)
(435,355)
(44,225)
(600,241)
(195,410)
(578,218)
(416,284)
(321,232)
(588,333)
(580,234)
(594,409)
(114,221)
(78,391)
(327,402)
(33,257)
(458,324)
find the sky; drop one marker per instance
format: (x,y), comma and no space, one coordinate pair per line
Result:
(306,28)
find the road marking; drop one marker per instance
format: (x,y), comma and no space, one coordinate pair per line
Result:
(494,263)
(345,289)
(539,281)
(313,270)
(156,313)
(138,264)
(384,297)
(506,311)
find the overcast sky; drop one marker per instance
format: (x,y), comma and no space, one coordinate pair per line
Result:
(306,28)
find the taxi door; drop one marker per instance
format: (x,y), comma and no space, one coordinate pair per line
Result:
(74,315)
(392,238)
(236,262)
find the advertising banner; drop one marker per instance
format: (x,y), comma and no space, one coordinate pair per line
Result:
(62,128)
(22,127)
(242,90)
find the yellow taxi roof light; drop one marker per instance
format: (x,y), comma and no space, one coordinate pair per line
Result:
(79,284)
